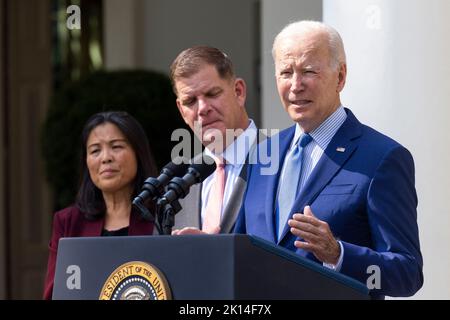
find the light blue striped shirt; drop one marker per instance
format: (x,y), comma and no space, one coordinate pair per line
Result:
(322,136)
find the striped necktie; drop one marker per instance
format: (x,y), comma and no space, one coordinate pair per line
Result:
(289,183)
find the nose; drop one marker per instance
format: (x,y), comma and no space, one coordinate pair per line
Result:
(106,156)
(297,84)
(203,107)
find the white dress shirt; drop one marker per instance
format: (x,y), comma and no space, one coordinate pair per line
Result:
(234,155)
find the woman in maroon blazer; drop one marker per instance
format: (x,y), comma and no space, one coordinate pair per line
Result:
(116,159)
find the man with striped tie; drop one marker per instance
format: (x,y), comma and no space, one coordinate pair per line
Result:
(344,195)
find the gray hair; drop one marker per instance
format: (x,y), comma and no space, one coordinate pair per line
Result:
(336,46)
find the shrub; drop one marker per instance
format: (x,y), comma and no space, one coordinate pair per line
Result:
(145,95)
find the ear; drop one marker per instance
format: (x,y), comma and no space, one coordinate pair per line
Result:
(342,76)
(180,108)
(240,89)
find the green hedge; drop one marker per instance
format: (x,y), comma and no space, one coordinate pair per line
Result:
(146,95)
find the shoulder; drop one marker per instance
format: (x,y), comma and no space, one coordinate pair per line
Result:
(68,213)
(372,142)
(375,142)
(377,138)
(68,216)
(71,222)
(377,151)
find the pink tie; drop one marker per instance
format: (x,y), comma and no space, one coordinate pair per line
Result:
(211,223)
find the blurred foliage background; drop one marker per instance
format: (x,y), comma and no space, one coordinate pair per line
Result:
(146,95)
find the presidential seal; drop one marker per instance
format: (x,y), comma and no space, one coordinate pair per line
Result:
(136,280)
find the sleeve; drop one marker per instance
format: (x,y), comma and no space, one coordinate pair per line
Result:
(336,267)
(395,251)
(57,233)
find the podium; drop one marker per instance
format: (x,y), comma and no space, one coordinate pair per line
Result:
(196,267)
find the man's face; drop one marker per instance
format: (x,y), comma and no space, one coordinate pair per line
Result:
(211,102)
(308,86)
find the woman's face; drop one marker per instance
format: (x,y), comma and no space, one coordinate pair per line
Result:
(110,159)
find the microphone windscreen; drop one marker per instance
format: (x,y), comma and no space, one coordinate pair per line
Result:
(177,167)
(203,165)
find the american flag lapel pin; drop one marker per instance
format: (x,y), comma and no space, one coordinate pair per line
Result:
(340,149)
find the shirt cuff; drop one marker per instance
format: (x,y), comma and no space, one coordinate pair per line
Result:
(336,267)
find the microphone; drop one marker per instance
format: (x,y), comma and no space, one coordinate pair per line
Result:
(153,188)
(201,167)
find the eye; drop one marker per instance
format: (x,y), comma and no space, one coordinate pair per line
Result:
(189,102)
(309,71)
(214,93)
(285,73)
(118,146)
(94,151)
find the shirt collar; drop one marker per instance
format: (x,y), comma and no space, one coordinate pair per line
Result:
(236,153)
(323,134)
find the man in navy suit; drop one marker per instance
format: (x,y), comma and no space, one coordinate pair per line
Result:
(344,193)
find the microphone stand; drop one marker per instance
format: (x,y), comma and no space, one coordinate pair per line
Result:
(146,214)
(167,212)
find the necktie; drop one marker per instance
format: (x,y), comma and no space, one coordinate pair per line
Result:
(289,183)
(213,210)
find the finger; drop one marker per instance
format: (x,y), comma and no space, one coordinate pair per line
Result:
(306,219)
(175,232)
(190,231)
(308,212)
(216,230)
(307,236)
(308,227)
(305,245)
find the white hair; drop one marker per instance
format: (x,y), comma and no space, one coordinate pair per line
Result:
(336,46)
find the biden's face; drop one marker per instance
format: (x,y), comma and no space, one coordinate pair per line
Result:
(307,84)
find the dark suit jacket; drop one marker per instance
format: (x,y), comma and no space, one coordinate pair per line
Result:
(70,222)
(367,196)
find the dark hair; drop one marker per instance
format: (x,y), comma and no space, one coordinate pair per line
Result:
(89,198)
(189,61)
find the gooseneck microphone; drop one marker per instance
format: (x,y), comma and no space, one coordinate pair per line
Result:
(201,167)
(153,188)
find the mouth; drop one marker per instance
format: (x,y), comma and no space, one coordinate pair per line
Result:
(300,103)
(108,172)
(209,124)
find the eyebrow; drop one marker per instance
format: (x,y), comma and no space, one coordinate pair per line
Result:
(192,94)
(112,141)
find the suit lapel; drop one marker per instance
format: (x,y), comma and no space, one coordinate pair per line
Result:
(196,218)
(339,150)
(234,203)
(93,228)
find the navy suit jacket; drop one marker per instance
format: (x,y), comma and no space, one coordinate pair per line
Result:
(367,196)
